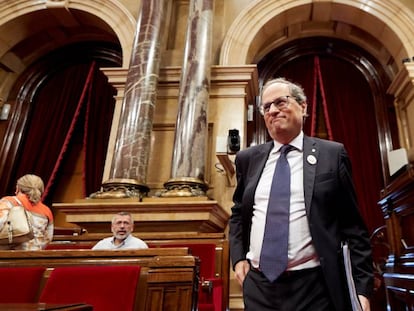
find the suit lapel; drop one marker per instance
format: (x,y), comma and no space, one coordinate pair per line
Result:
(258,161)
(310,161)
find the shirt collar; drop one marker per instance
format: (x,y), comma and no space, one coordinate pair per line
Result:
(297,142)
(122,243)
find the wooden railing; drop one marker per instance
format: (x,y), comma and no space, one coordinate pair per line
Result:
(397,205)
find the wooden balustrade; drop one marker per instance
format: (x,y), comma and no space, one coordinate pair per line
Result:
(397,204)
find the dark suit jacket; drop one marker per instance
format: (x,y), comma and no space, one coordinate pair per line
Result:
(331,208)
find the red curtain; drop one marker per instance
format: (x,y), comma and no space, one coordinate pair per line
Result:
(352,112)
(319,100)
(83,101)
(57,120)
(97,131)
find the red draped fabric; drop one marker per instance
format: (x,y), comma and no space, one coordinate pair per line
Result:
(351,109)
(97,128)
(84,99)
(318,88)
(59,121)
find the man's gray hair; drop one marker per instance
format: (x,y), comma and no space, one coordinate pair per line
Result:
(295,89)
(122,214)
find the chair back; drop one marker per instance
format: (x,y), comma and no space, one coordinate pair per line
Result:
(20,284)
(106,288)
(210,296)
(206,252)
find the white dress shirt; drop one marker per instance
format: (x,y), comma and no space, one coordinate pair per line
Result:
(130,242)
(301,252)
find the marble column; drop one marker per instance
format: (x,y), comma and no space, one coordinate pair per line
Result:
(128,173)
(190,145)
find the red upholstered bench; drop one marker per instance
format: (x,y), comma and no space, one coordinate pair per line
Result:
(106,288)
(20,284)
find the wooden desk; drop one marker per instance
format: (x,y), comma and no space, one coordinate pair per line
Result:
(157,221)
(168,278)
(44,307)
(162,239)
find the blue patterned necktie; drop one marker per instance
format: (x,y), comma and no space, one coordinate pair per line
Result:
(274,254)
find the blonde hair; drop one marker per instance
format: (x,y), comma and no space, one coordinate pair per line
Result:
(32,186)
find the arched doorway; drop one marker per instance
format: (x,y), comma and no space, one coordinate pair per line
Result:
(35,52)
(47,108)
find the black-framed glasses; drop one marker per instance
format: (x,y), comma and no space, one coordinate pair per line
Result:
(280,103)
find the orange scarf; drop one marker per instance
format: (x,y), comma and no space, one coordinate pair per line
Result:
(38,208)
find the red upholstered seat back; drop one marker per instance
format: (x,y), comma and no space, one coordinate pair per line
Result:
(20,284)
(208,299)
(107,288)
(206,252)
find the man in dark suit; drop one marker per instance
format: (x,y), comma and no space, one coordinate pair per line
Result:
(322,213)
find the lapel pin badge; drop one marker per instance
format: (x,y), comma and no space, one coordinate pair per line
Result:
(311,159)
